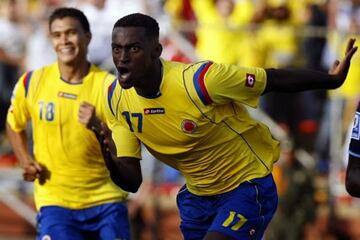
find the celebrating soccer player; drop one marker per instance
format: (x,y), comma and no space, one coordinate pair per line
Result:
(193,118)
(74,194)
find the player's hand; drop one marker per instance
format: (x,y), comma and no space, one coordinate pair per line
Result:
(31,170)
(340,68)
(108,145)
(87,116)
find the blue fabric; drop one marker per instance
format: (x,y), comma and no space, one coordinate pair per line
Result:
(242,213)
(103,222)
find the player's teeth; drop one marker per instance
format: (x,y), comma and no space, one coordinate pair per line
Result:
(65,50)
(124,75)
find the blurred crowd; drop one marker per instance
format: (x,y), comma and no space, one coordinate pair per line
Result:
(263,33)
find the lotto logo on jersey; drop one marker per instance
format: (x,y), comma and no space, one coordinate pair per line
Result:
(148,111)
(356,128)
(188,126)
(67,95)
(250,80)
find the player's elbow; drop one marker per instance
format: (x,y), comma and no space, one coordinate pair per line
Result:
(134,186)
(128,185)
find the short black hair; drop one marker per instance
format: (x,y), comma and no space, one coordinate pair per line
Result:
(63,12)
(140,20)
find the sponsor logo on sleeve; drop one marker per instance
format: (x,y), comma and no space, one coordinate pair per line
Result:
(250,80)
(356,128)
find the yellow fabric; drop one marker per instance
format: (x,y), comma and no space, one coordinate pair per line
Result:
(219,39)
(215,146)
(297,8)
(277,44)
(70,152)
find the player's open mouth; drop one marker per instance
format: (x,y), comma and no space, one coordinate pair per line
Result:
(123,73)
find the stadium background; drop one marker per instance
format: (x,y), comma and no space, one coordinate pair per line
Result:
(313,126)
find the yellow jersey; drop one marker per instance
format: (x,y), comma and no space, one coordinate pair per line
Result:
(198,125)
(78,177)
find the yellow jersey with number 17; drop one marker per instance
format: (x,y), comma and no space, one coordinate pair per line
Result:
(77,176)
(197,124)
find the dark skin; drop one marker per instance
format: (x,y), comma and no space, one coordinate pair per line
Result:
(352,180)
(137,59)
(131,178)
(124,171)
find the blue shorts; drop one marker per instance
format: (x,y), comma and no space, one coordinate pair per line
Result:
(242,213)
(107,221)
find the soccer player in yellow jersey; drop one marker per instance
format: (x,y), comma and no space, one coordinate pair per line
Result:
(74,194)
(193,118)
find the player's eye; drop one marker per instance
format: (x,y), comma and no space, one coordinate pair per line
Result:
(116,50)
(55,35)
(134,49)
(72,32)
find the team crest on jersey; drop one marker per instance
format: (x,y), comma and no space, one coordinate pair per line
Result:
(356,128)
(188,126)
(46,237)
(148,111)
(67,95)
(250,80)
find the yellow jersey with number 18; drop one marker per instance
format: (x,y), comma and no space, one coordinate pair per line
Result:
(198,124)
(77,176)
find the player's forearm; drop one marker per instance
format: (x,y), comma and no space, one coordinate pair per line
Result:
(18,142)
(125,172)
(352,181)
(296,80)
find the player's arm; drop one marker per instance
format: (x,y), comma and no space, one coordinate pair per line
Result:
(124,171)
(352,180)
(16,121)
(294,80)
(31,169)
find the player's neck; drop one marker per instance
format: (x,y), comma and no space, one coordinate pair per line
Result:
(74,73)
(153,89)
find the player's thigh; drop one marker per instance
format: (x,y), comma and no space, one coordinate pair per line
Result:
(55,223)
(196,214)
(114,223)
(247,210)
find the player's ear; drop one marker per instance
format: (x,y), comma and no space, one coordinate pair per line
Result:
(88,37)
(157,51)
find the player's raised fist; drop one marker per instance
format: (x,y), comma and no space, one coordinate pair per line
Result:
(87,116)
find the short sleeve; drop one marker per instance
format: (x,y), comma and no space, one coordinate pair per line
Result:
(18,114)
(127,144)
(227,83)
